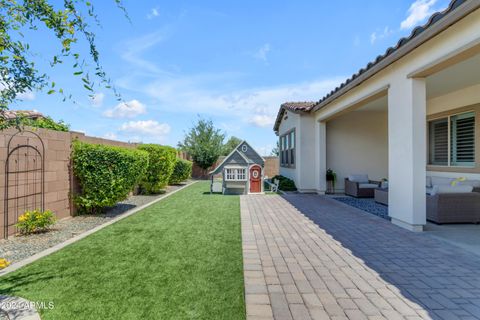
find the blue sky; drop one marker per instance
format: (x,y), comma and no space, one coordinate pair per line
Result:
(233,62)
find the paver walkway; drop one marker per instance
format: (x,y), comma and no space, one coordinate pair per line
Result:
(348,265)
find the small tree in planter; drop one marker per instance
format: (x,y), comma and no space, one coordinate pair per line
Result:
(331,176)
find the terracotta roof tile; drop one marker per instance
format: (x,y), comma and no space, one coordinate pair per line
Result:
(299,106)
(296,107)
(12,114)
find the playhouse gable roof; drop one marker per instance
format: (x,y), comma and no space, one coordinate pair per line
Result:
(243,154)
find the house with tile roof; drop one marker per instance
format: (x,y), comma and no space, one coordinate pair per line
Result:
(412,112)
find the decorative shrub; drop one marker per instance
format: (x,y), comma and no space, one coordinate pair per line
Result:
(35,221)
(181,172)
(4,263)
(106,174)
(285,184)
(160,167)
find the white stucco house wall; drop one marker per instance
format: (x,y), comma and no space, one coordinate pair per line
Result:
(399,118)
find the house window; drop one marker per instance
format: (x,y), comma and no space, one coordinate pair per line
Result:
(287,149)
(452,140)
(235,174)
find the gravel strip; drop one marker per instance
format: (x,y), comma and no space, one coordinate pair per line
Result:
(17,248)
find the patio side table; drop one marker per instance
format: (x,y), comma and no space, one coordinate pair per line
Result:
(381,196)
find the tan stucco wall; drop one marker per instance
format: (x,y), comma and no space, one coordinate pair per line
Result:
(357,143)
(453,100)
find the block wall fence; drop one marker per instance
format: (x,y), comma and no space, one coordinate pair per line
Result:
(59,182)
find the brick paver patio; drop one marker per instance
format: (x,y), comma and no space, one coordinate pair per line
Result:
(348,265)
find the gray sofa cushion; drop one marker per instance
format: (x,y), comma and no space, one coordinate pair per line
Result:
(438,181)
(454,189)
(473,183)
(360,178)
(367,185)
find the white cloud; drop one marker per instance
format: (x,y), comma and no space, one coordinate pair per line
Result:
(264,150)
(262,120)
(97,99)
(131,51)
(262,53)
(254,106)
(110,135)
(207,94)
(154,12)
(129,109)
(147,128)
(418,11)
(26,96)
(380,34)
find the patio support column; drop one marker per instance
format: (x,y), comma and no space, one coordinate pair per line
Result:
(322,156)
(407,153)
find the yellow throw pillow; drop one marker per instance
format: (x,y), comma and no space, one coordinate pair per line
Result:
(456,181)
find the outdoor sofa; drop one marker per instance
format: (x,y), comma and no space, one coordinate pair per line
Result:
(360,186)
(450,201)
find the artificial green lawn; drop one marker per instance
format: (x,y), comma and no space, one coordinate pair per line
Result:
(178,259)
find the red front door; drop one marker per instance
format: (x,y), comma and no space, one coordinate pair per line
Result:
(255,179)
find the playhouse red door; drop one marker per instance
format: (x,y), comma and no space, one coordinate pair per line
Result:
(255,179)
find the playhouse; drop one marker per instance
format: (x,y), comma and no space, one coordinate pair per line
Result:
(242,172)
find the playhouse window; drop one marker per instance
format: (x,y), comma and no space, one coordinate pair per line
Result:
(235,174)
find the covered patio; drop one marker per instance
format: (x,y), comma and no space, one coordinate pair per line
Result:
(416,119)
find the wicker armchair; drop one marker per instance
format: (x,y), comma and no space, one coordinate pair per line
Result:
(361,189)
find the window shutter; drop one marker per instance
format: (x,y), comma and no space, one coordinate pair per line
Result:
(439,142)
(463,139)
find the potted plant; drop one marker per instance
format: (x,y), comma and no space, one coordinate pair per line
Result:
(331,178)
(384,183)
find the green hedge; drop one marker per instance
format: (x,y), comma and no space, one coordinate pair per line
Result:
(106,174)
(285,184)
(181,172)
(160,167)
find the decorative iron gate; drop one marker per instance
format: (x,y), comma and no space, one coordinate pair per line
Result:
(24,177)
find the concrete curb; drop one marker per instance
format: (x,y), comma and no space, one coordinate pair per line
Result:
(35,257)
